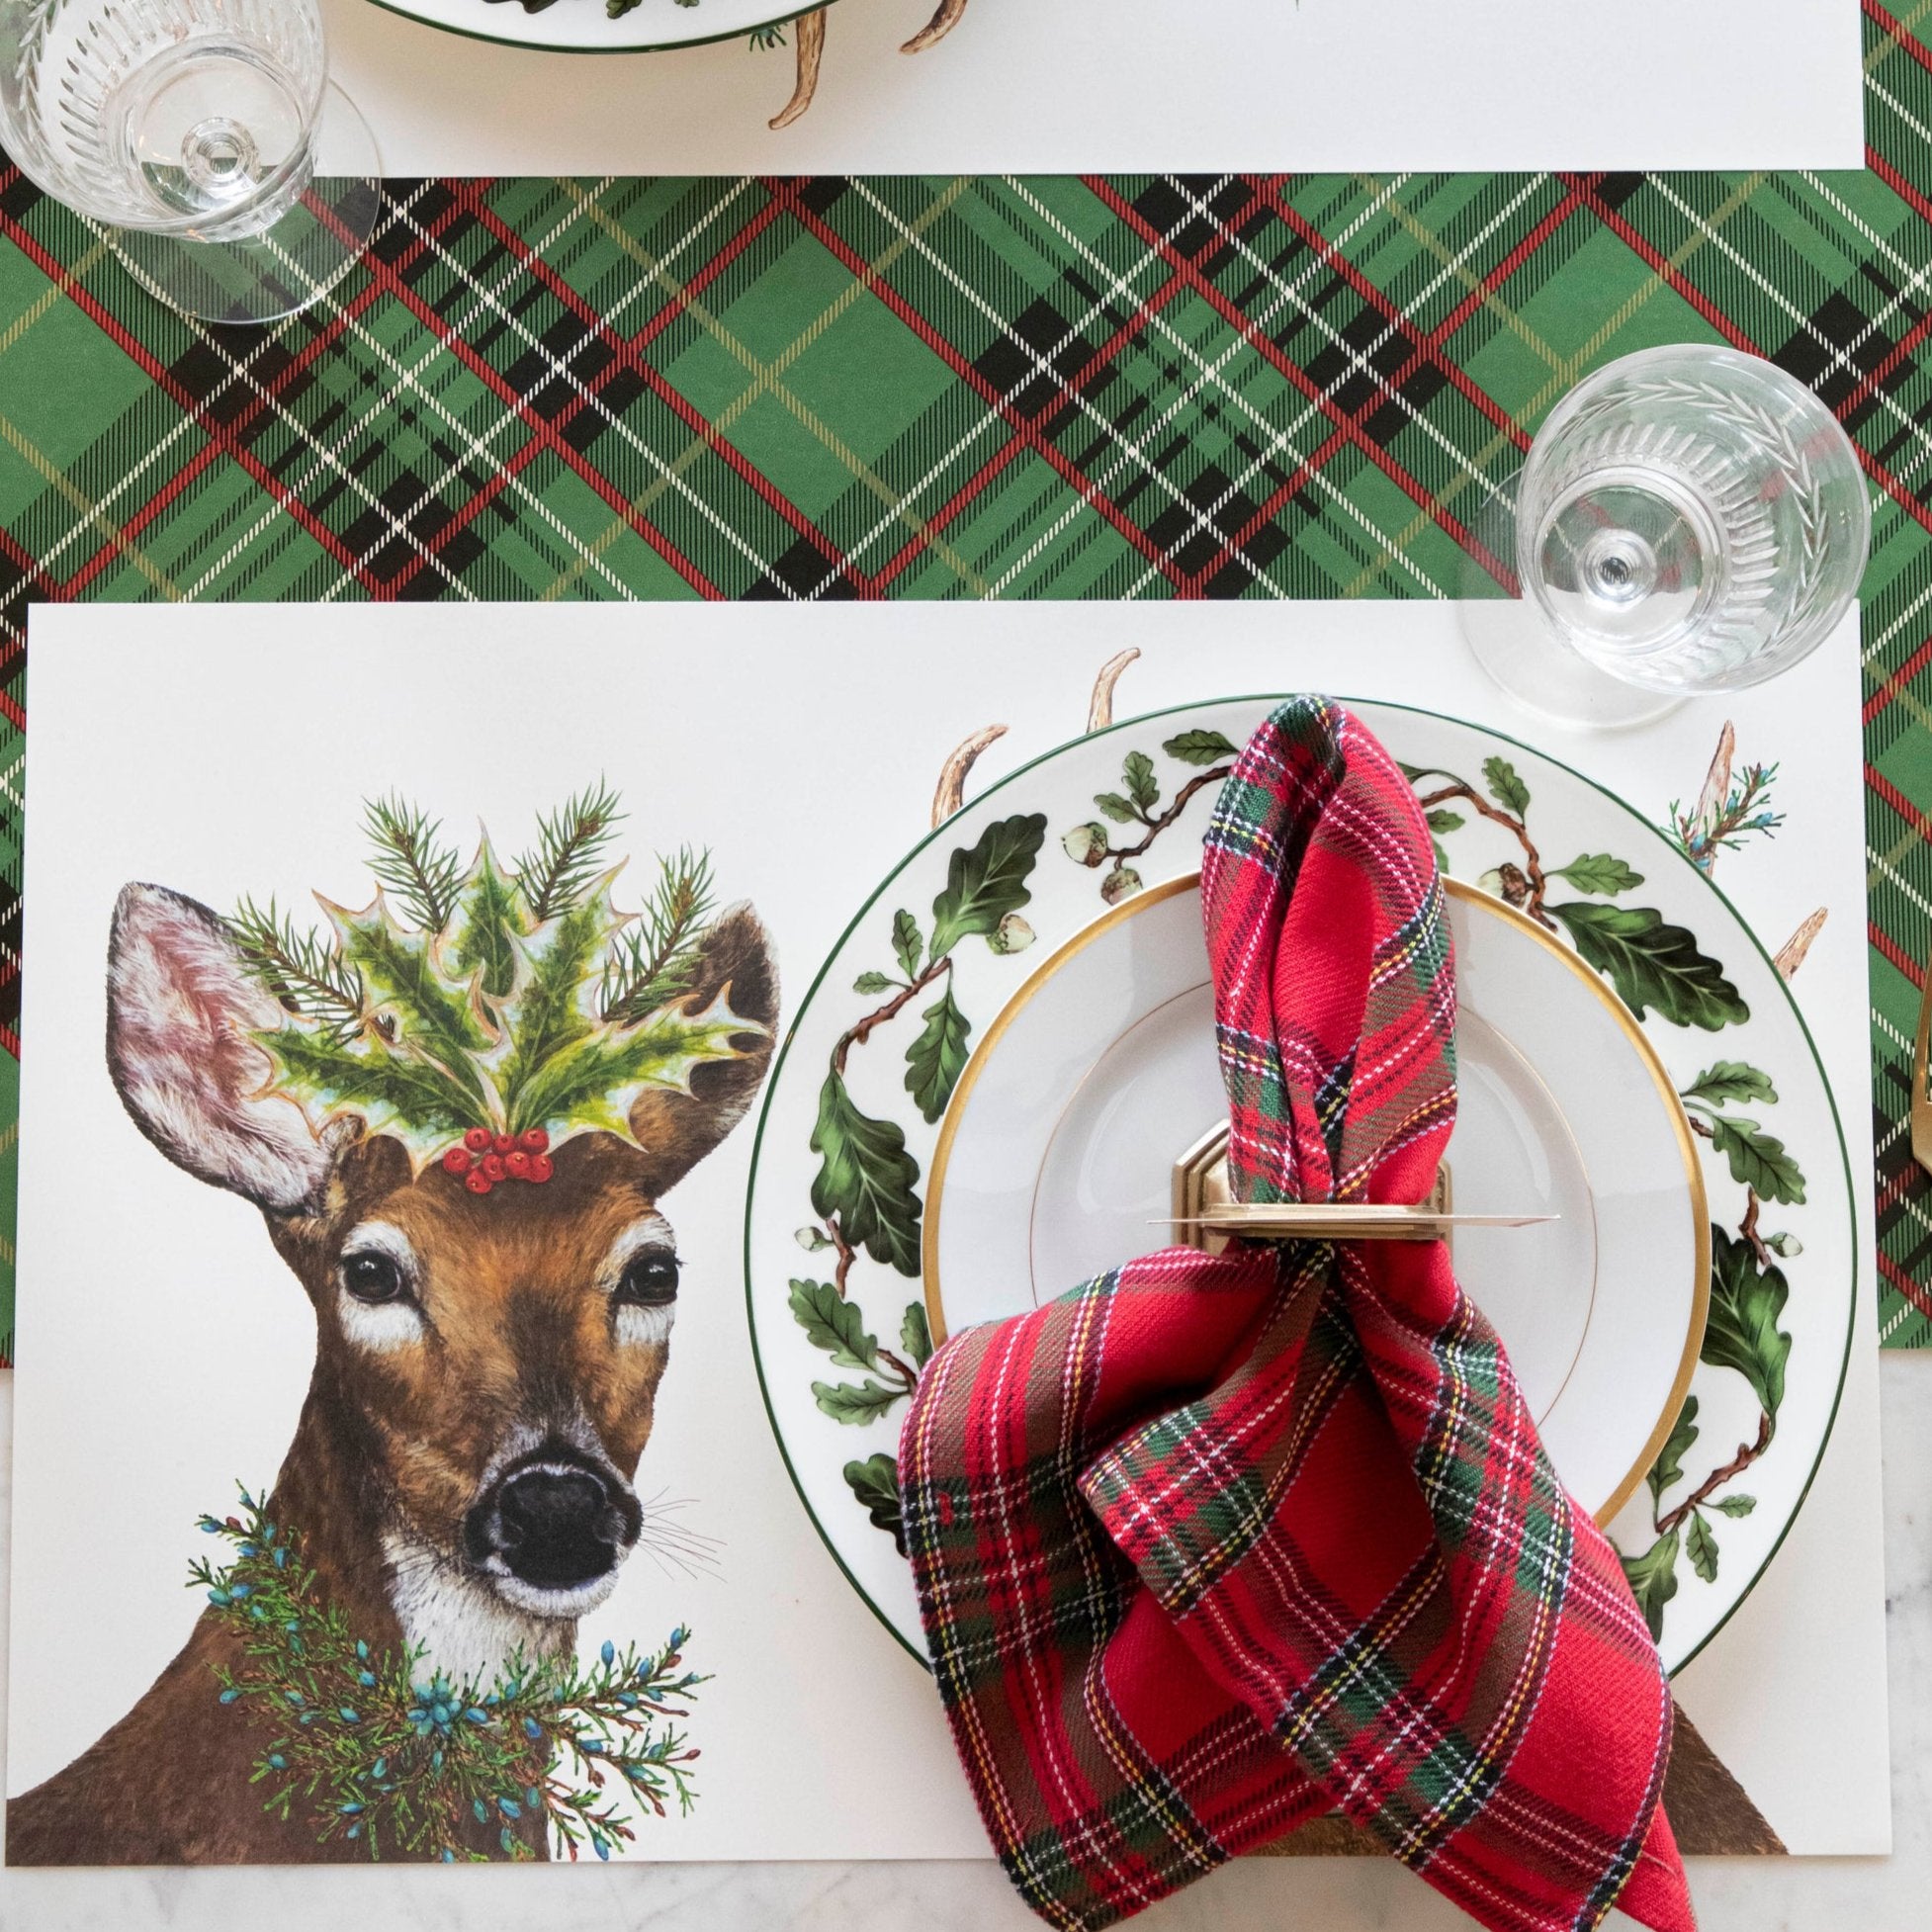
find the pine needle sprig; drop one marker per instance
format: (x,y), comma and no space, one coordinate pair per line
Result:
(521,998)
(656,960)
(1744,809)
(552,874)
(302,971)
(424,875)
(360,1749)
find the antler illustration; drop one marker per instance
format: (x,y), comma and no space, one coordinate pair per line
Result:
(951,792)
(811,51)
(1791,955)
(1100,708)
(1716,786)
(1729,808)
(950,13)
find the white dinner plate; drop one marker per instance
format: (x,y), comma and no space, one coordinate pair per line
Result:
(1055,1159)
(1039,1112)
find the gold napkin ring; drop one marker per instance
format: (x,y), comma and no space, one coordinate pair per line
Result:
(1207,1216)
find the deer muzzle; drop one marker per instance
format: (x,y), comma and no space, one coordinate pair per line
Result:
(554,1521)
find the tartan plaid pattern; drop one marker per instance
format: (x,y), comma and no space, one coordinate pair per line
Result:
(1116,387)
(1212,1543)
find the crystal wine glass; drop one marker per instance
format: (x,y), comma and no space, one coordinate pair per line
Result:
(1688,519)
(206,133)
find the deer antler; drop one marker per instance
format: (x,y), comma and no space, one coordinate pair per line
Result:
(951,792)
(812,46)
(1100,708)
(949,15)
(811,50)
(1791,955)
(1709,808)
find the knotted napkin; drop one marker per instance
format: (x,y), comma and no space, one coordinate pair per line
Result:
(1215,1545)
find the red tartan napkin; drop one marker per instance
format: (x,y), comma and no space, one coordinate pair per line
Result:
(1211,1546)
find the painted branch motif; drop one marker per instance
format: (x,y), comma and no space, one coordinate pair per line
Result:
(1657,967)
(1138,804)
(865,1199)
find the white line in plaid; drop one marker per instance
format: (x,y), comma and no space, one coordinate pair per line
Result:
(1875,648)
(489,299)
(1839,359)
(240,373)
(411,378)
(1359,359)
(1279,441)
(1131,452)
(1914,276)
(1291,289)
(983,426)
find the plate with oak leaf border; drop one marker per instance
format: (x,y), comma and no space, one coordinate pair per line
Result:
(604,25)
(858,1102)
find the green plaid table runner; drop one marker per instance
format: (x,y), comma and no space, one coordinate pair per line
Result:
(1115,387)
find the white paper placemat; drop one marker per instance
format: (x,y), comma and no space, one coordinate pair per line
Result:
(165,1349)
(1062,86)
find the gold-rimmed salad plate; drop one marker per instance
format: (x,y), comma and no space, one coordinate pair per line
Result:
(1059,1144)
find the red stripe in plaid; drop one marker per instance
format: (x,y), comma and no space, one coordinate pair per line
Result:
(1210,1545)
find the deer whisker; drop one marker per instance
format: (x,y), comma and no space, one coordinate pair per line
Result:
(671,1544)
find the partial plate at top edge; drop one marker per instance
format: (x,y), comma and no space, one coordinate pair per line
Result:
(583,26)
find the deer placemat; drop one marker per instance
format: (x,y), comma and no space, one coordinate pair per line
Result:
(393,1469)
(1043,86)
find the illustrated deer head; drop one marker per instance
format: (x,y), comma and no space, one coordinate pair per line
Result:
(488,1355)
(459,1111)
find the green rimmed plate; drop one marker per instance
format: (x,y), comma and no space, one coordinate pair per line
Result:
(836,1218)
(584,27)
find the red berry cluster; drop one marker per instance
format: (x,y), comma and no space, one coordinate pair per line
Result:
(484,1158)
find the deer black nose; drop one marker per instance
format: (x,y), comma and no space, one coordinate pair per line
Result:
(553,1524)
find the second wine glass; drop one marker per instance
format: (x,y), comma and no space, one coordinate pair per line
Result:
(1688,519)
(242,185)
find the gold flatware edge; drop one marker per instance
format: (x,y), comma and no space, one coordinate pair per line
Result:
(1341,1221)
(1921,1105)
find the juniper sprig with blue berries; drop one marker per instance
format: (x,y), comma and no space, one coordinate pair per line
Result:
(360,1749)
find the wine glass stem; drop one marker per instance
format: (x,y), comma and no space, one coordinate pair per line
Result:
(253,212)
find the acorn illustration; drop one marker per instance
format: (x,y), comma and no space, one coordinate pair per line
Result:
(1011,934)
(1085,844)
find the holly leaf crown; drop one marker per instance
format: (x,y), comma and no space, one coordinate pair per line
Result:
(497,1012)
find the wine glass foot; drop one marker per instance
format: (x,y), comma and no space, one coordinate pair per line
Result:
(1510,639)
(294,262)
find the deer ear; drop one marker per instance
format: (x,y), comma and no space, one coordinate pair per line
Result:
(678,1130)
(181,1007)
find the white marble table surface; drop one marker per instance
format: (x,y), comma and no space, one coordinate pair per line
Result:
(1869,1895)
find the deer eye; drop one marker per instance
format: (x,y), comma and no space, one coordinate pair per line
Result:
(372,1276)
(650,1279)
